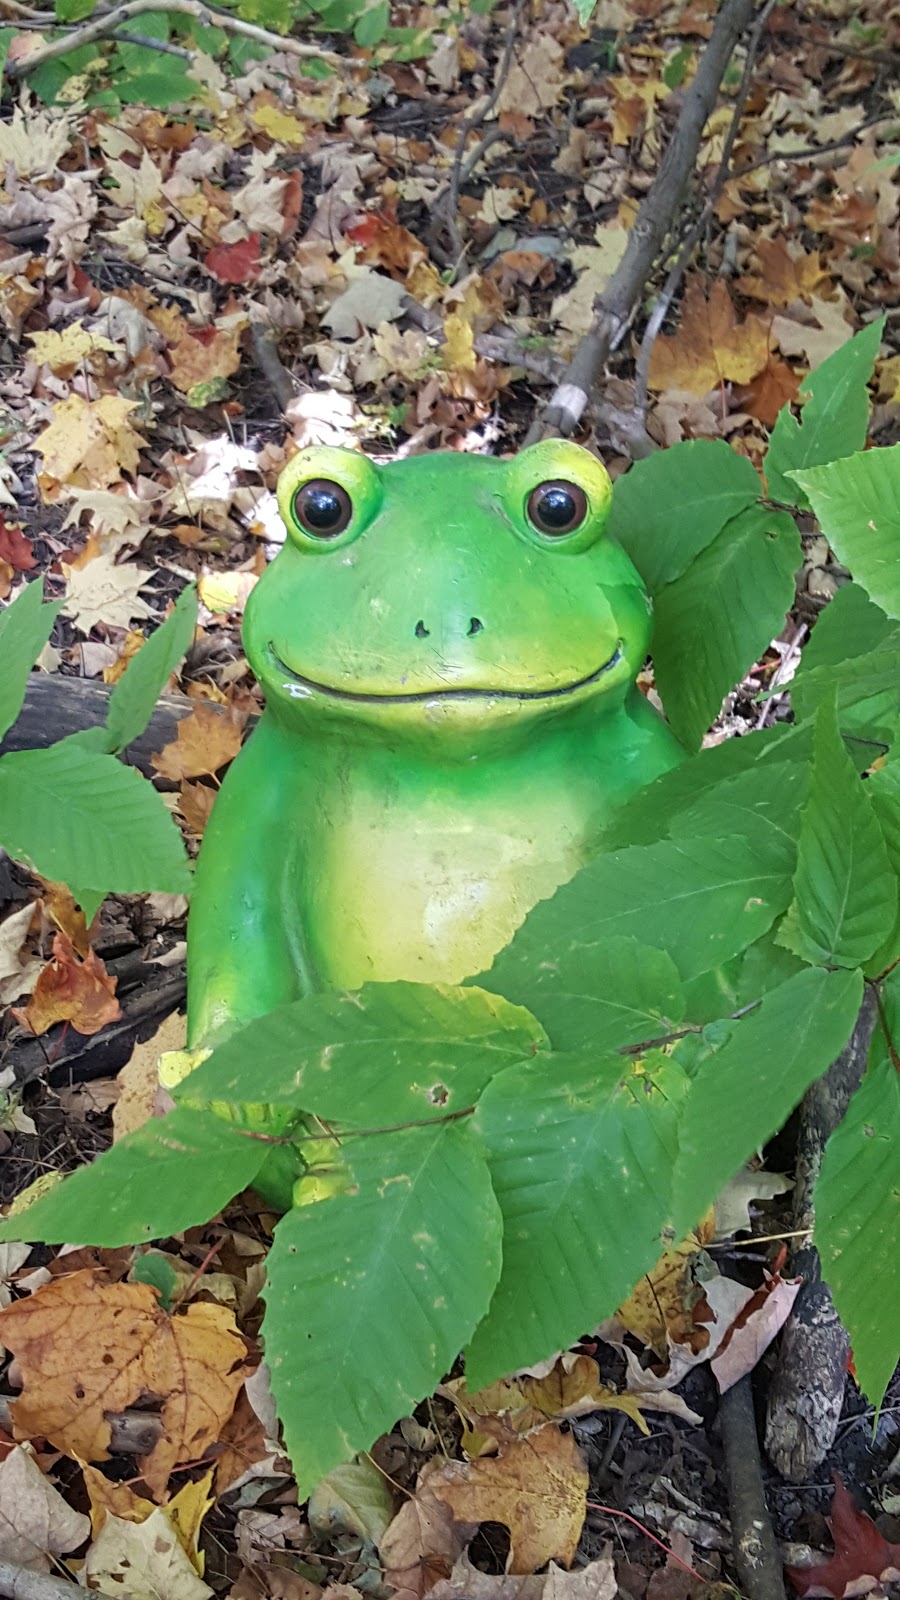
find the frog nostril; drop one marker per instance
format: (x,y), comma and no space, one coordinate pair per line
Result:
(421,631)
(475,625)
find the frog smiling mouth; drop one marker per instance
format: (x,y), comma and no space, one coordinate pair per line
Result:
(358,697)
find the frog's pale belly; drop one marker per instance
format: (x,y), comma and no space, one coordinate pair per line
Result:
(432,899)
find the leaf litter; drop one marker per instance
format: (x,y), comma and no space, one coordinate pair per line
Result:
(141,447)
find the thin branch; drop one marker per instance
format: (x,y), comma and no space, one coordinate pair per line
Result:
(445,203)
(109,22)
(756,1558)
(162,45)
(18,1583)
(692,239)
(615,306)
(819,149)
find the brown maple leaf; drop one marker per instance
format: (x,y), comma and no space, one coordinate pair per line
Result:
(787,273)
(127,1347)
(70,990)
(206,740)
(711,347)
(15,548)
(772,388)
(860,1552)
(536,1486)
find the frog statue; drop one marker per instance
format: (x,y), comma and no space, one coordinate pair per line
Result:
(448,648)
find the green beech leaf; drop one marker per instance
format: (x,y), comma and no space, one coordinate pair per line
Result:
(868,696)
(716,620)
(83,818)
(857,1227)
(371,1293)
(174,1173)
(883,789)
(134,697)
(703,900)
(25,627)
(649,815)
(581,1154)
(671,505)
(744,1091)
(845,894)
(857,502)
(387,1053)
(607,993)
(849,627)
(834,419)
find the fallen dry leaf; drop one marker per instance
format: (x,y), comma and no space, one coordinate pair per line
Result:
(35,1521)
(139,1078)
(18,969)
(515,1407)
(143,1560)
(710,347)
(206,741)
(204,355)
(101,591)
(15,549)
(89,444)
(195,802)
(659,1306)
(787,273)
(596,1581)
(70,990)
(423,1541)
(537,1487)
(127,1347)
(860,1552)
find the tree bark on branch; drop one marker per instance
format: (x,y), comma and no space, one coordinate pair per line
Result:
(614,308)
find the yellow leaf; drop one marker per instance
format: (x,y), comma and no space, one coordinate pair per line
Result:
(279,125)
(206,740)
(711,347)
(536,1486)
(88,444)
(143,1560)
(458,349)
(127,1346)
(65,350)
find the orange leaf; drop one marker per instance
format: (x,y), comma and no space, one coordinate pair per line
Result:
(770,390)
(786,274)
(204,354)
(69,990)
(537,1487)
(206,741)
(127,1347)
(711,347)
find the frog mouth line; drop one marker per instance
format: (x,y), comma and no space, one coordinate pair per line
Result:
(358,697)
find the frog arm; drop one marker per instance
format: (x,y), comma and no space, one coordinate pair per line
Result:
(243,954)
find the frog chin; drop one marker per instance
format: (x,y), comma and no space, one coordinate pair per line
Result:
(475,702)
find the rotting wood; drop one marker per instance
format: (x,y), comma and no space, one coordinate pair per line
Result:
(55,707)
(807,1392)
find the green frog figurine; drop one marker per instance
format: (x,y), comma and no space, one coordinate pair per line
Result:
(448,647)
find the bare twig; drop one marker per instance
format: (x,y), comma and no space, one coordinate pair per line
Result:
(162,45)
(109,22)
(17,1583)
(756,1558)
(446,201)
(692,239)
(616,304)
(264,343)
(812,151)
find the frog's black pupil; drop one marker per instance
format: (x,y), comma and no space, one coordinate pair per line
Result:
(323,509)
(557,507)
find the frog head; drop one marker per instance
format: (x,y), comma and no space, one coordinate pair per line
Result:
(446,592)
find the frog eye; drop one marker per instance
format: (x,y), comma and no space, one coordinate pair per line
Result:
(557,507)
(322,508)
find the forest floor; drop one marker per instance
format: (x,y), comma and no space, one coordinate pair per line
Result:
(380,257)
